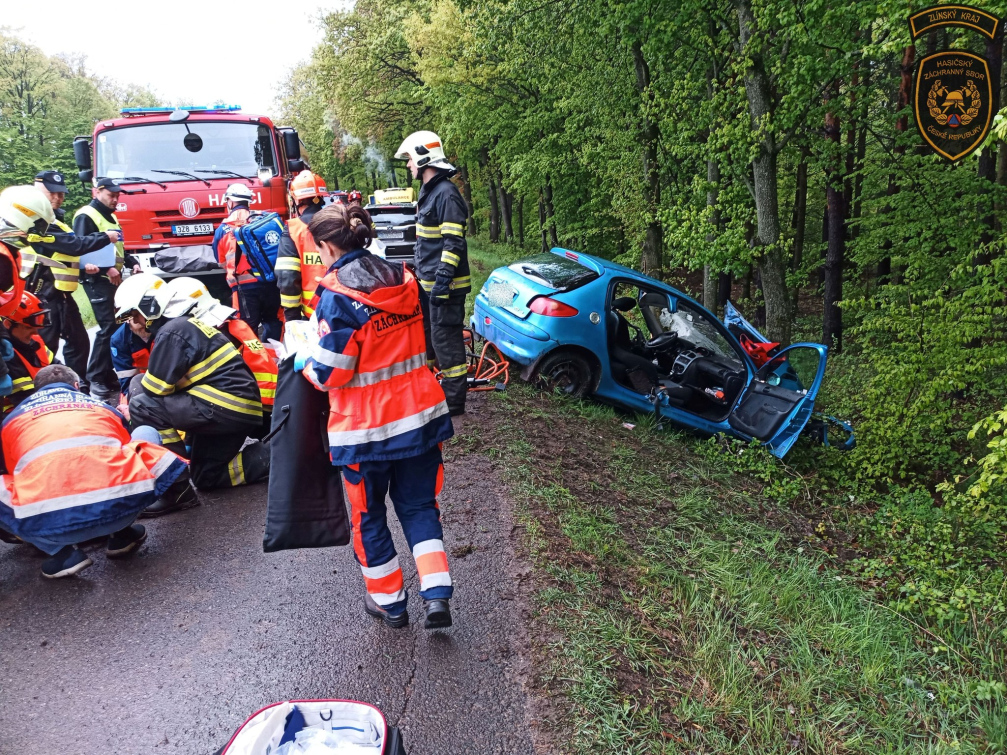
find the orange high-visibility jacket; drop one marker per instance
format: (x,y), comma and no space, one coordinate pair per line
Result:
(312,269)
(258,358)
(226,247)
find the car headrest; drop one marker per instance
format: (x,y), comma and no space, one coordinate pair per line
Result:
(624,303)
(653,300)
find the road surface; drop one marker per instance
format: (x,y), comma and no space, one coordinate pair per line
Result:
(169,651)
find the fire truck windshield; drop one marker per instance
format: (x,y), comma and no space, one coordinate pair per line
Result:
(145,152)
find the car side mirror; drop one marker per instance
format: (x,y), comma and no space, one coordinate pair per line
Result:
(291,144)
(86,176)
(82,152)
(295,166)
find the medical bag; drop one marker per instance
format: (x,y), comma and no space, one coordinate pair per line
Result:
(258,241)
(322,726)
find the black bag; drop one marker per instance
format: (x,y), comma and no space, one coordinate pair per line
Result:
(185,260)
(305,506)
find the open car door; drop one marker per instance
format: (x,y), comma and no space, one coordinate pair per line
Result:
(774,408)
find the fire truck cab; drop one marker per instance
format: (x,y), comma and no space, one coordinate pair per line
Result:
(174,165)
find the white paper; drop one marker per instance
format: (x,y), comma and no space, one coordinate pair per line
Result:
(104,257)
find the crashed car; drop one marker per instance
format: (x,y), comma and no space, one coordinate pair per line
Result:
(589,327)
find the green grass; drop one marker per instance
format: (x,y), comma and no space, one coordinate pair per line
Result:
(681,619)
(485,257)
(80,296)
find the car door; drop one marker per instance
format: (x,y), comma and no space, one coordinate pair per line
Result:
(774,408)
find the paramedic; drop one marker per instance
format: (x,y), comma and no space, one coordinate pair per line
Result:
(388,415)
(131,345)
(257,301)
(299,268)
(441,261)
(30,354)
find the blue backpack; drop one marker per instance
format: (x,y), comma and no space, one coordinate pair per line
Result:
(258,241)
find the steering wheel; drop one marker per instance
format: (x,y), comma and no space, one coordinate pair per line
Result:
(663,342)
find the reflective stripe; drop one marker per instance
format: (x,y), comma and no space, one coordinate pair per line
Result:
(126,373)
(437,579)
(387,599)
(264,377)
(289,301)
(82,499)
(404,367)
(427,546)
(451,259)
(384,432)
(455,229)
(155,385)
(63,444)
(427,285)
(288,263)
(428,231)
(22,384)
(226,400)
(162,464)
(236,471)
(332,359)
(169,436)
(461,280)
(28,258)
(456,371)
(205,368)
(384,570)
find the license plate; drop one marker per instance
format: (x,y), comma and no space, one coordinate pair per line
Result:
(382,234)
(192,229)
(500,294)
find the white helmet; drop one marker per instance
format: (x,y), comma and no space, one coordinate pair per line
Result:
(24,212)
(238,193)
(426,150)
(139,293)
(188,296)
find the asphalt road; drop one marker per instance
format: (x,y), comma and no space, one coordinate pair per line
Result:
(169,651)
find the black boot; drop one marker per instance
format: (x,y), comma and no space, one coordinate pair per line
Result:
(438,614)
(179,496)
(397,621)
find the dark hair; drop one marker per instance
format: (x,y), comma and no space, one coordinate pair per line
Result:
(55,373)
(335,224)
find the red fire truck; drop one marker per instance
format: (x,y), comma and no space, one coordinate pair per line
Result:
(174,165)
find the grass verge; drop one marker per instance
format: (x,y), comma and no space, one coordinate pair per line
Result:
(80,296)
(683,610)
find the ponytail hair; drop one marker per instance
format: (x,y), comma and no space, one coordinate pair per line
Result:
(347,228)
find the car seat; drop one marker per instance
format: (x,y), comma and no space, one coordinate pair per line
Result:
(628,368)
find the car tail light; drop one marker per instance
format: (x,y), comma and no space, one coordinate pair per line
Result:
(543,305)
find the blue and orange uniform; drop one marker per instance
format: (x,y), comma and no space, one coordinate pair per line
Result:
(29,358)
(130,355)
(387,419)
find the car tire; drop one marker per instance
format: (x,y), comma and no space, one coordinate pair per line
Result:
(566,373)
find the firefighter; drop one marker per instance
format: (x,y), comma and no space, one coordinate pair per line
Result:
(131,345)
(257,357)
(299,267)
(25,217)
(257,301)
(387,414)
(73,473)
(441,261)
(197,383)
(99,217)
(30,354)
(55,286)
(355,198)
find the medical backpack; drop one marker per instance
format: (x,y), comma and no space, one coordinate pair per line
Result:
(258,241)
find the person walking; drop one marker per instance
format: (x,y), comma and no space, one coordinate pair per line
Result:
(257,302)
(387,415)
(441,260)
(55,285)
(72,473)
(299,268)
(99,217)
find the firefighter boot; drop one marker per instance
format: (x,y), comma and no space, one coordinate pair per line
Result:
(438,614)
(397,621)
(179,496)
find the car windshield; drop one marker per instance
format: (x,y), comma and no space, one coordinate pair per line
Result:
(696,328)
(554,271)
(141,151)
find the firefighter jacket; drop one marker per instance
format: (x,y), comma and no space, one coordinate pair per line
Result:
(70,465)
(11,282)
(97,218)
(299,266)
(225,246)
(441,256)
(130,355)
(28,359)
(371,357)
(65,247)
(257,358)
(190,356)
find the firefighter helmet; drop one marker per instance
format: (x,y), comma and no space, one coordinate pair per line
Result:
(426,150)
(24,212)
(30,312)
(238,193)
(139,293)
(307,185)
(189,296)
(354,196)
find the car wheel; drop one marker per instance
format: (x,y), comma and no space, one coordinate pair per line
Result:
(566,373)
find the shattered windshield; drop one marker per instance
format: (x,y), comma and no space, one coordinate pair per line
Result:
(554,271)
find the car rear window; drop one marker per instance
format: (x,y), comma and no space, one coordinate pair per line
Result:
(378,211)
(556,272)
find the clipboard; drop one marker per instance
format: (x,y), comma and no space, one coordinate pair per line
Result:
(103,258)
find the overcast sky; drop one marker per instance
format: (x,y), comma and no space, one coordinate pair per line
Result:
(197,51)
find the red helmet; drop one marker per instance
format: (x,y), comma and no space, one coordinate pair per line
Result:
(30,312)
(355,196)
(307,185)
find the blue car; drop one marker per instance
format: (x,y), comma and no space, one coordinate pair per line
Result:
(589,327)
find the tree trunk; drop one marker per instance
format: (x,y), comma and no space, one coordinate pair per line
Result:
(772,268)
(713,181)
(832,320)
(800,217)
(494,209)
(884,270)
(723,289)
(463,173)
(550,213)
(746,286)
(988,157)
(652,256)
(542,223)
(506,209)
(520,220)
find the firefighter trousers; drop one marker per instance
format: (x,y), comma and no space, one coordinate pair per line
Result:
(65,322)
(216,458)
(413,484)
(100,371)
(443,324)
